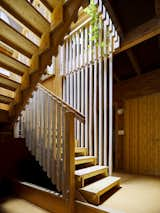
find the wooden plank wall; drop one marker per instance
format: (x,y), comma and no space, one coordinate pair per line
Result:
(141,149)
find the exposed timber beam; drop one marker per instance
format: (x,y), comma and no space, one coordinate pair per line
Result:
(7,93)
(134,61)
(157,8)
(8,83)
(141,85)
(142,33)
(118,26)
(4,107)
(5,100)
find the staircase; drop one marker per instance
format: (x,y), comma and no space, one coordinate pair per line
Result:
(99,184)
(28,42)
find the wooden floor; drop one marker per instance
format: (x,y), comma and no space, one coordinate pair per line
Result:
(139,194)
(16,205)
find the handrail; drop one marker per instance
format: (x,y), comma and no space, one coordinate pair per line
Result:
(77,114)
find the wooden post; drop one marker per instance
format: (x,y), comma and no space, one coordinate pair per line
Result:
(70,177)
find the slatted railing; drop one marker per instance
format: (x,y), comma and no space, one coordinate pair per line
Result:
(87,70)
(47,123)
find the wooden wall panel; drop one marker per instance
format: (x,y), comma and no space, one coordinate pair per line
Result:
(141,150)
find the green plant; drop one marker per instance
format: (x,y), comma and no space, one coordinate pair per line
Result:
(92,11)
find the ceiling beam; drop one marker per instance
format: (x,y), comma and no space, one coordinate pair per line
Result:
(141,85)
(141,33)
(118,26)
(157,8)
(134,61)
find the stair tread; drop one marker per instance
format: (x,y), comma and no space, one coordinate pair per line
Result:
(88,170)
(84,159)
(18,41)
(80,149)
(12,64)
(101,186)
(22,10)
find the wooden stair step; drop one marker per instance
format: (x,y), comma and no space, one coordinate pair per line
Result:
(50,4)
(81,150)
(8,84)
(16,40)
(27,14)
(85,159)
(13,65)
(5,99)
(93,191)
(83,174)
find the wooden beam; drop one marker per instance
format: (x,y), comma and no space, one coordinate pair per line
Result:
(5,100)
(130,53)
(8,83)
(134,61)
(16,40)
(11,64)
(144,84)
(157,8)
(142,33)
(4,107)
(27,14)
(7,93)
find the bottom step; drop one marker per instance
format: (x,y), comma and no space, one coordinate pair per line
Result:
(94,191)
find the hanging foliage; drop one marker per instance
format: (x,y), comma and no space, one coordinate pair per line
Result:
(96,25)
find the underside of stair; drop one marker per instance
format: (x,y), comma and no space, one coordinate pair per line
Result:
(29,42)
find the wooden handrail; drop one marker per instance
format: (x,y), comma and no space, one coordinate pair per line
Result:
(69,108)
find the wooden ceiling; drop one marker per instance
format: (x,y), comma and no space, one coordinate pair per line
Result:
(138,23)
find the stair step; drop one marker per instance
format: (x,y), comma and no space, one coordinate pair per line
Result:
(28,15)
(81,150)
(83,174)
(85,159)
(93,191)
(12,64)
(50,4)
(8,84)
(17,40)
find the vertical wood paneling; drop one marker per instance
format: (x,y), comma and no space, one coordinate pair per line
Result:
(142,135)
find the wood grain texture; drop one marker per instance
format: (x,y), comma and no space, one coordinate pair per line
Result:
(142,135)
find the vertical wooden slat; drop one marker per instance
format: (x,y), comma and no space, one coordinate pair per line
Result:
(90,109)
(105,87)
(82,105)
(54,148)
(95,101)
(58,159)
(86,107)
(110,114)
(86,87)
(100,139)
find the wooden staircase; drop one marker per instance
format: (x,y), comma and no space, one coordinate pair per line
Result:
(37,49)
(92,180)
